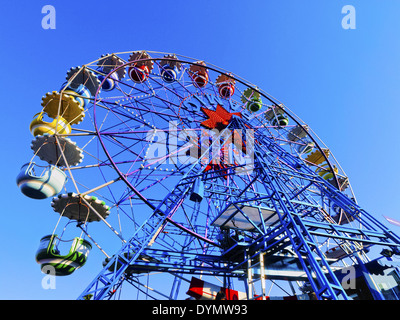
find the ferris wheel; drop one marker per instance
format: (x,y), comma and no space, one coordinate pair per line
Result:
(181,171)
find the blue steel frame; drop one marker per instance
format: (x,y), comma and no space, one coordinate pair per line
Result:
(294,226)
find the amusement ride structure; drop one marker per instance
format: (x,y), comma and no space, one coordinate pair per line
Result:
(180,171)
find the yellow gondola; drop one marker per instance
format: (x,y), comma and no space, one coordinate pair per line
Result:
(56,104)
(316,158)
(39,126)
(325,172)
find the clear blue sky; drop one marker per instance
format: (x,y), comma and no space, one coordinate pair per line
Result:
(343,83)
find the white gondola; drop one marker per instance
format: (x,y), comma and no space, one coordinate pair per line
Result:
(40,186)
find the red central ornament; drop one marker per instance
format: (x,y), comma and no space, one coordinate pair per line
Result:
(218,119)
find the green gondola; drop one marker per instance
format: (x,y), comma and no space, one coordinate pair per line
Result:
(280,121)
(48,255)
(252,99)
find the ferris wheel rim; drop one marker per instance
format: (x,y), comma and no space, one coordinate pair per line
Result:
(115,166)
(244,82)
